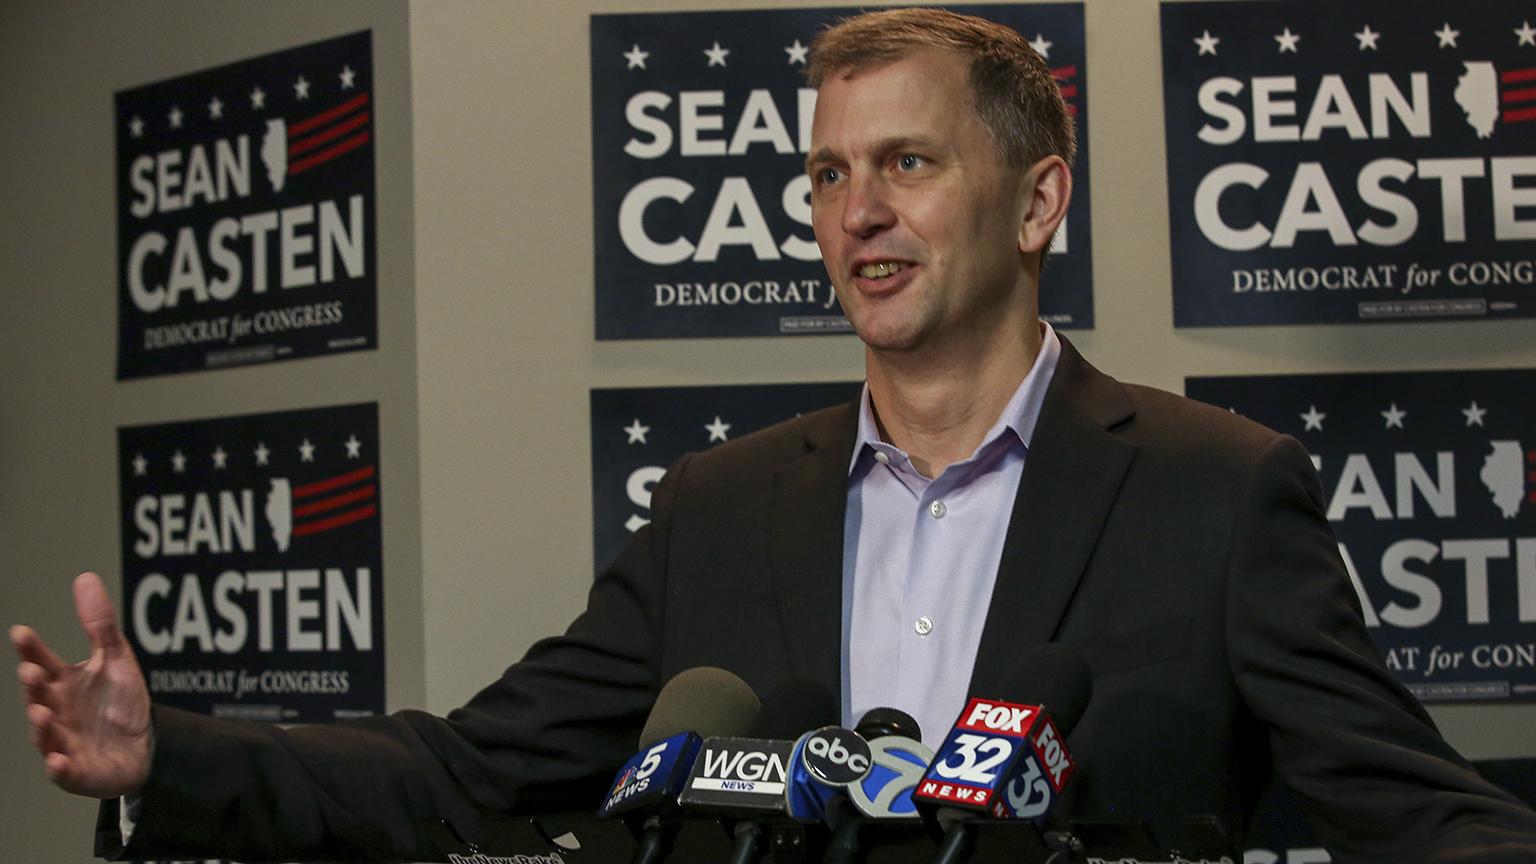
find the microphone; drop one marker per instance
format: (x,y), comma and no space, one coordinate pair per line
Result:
(746,778)
(697,702)
(1006,760)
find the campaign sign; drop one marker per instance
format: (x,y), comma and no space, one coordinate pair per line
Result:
(245,219)
(638,432)
(701,122)
(1350,162)
(252,573)
(1427,480)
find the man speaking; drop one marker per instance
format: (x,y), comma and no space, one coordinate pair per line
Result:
(991,491)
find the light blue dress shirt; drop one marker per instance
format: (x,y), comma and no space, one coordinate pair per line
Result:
(920,557)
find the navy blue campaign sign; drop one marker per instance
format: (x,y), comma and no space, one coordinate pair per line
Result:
(245,219)
(638,432)
(1429,479)
(1350,162)
(252,576)
(701,122)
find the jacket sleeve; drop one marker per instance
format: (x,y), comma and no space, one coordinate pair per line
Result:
(547,735)
(1377,780)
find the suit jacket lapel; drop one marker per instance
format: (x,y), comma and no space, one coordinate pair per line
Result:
(1071,477)
(810,496)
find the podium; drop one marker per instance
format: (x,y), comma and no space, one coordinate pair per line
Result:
(581,838)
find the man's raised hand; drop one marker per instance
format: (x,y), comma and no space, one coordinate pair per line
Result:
(90,720)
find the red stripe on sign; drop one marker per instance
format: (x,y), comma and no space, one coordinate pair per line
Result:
(335,501)
(1520,115)
(1064,72)
(1514,76)
(304,529)
(329,153)
(328,115)
(1525,95)
(330,134)
(330,483)
(1068,91)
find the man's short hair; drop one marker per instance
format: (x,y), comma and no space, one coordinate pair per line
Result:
(1011,87)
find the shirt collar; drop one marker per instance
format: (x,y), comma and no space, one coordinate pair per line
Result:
(1019,416)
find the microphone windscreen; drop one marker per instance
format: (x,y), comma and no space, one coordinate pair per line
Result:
(793,707)
(705,700)
(883,722)
(1056,676)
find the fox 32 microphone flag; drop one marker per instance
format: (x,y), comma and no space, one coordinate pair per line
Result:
(1350,162)
(252,571)
(1429,481)
(701,122)
(245,219)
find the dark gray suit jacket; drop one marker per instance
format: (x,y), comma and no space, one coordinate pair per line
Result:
(1182,548)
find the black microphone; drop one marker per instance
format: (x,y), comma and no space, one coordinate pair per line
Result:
(1007,760)
(745,779)
(698,702)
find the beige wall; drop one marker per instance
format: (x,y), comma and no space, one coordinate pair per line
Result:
(485,272)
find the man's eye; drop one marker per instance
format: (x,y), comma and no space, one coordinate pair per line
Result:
(909,162)
(828,176)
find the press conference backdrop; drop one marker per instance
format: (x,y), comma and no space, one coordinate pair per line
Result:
(485,354)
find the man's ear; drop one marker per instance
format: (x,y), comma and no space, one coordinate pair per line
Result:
(1048,183)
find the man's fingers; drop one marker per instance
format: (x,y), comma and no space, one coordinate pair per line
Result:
(96,614)
(33,650)
(34,684)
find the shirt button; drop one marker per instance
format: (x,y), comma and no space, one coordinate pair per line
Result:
(924,626)
(881,457)
(937,509)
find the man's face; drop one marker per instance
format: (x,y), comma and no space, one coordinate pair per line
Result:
(916,215)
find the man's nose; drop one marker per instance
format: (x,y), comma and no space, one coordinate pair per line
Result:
(867,209)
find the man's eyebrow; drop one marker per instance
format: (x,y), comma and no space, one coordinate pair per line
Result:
(885,146)
(819,156)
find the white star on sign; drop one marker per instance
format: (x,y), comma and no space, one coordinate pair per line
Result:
(216,108)
(1313,418)
(797,53)
(1447,36)
(178,462)
(136,127)
(1041,46)
(1527,34)
(716,54)
(635,57)
(636,432)
(219,458)
(301,88)
(1207,43)
(140,465)
(261,453)
(1288,41)
(175,117)
(1474,414)
(1394,416)
(346,77)
(1367,38)
(306,451)
(258,99)
(717,429)
(354,447)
